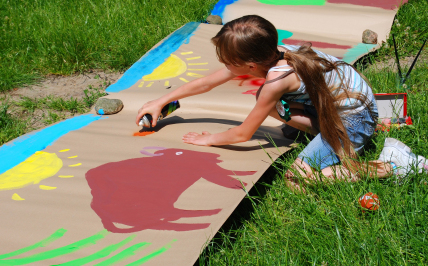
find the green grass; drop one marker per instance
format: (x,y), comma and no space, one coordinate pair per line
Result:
(326,225)
(39,37)
(10,127)
(17,117)
(63,37)
(273,226)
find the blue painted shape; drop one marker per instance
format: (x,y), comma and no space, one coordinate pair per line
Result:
(355,52)
(220,6)
(154,58)
(100,111)
(283,34)
(20,149)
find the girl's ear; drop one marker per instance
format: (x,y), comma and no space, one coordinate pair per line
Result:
(252,66)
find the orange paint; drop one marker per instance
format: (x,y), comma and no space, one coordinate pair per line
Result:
(144,133)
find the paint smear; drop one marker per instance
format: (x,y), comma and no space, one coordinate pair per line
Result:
(20,149)
(220,6)
(152,255)
(152,59)
(58,234)
(357,51)
(37,167)
(143,152)
(252,92)
(17,197)
(144,133)
(99,254)
(56,252)
(250,80)
(324,45)
(294,2)
(124,254)
(140,193)
(385,4)
(283,34)
(46,187)
(195,75)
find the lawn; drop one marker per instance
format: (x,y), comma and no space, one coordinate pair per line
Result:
(327,226)
(273,226)
(41,37)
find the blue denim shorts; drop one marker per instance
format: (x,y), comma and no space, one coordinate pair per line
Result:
(360,127)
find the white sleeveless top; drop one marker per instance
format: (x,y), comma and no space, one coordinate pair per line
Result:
(351,77)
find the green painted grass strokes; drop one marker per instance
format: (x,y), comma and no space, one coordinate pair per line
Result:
(124,254)
(100,254)
(293,2)
(153,254)
(57,252)
(58,234)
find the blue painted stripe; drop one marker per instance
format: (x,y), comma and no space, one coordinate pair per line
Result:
(20,149)
(154,58)
(220,6)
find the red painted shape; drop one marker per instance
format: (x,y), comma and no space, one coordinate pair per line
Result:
(140,193)
(257,82)
(250,80)
(385,4)
(316,44)
(252,92)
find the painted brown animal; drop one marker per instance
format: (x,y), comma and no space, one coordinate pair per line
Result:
(140,193)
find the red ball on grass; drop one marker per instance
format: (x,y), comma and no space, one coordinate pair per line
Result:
(369,201)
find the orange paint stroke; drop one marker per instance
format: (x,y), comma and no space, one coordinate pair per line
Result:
(144,133)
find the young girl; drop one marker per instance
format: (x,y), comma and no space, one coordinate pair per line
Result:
(325,97)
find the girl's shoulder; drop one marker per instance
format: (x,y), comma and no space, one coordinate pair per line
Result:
(282,78)
(293,48)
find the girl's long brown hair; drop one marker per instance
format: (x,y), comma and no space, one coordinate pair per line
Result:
(254,39)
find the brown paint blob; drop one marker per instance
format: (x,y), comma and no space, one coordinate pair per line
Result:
(144,133)
(140,193)
(317,44)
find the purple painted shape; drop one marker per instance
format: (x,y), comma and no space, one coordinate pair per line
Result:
(140,193)
(150,154)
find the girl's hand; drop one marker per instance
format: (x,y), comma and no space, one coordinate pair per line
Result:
(153,107)
(197,139)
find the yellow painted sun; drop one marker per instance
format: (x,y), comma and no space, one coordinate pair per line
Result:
(173,67)
(33,170)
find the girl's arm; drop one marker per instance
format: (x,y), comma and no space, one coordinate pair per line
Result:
(266,102)
(194,87)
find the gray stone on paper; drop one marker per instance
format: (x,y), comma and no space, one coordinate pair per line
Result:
(105,106)
(370,37)
(214,19)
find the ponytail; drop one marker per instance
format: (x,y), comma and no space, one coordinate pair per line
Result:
(311,69)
